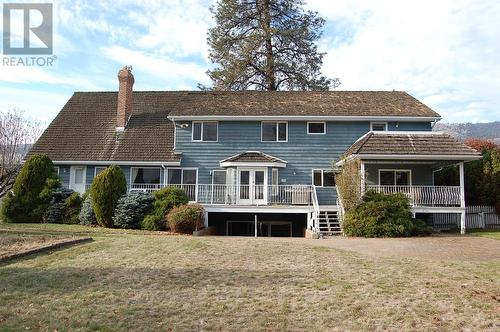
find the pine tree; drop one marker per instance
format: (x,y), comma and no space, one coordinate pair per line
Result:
(266,45)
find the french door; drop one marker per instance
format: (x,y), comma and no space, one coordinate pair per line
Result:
(252,186)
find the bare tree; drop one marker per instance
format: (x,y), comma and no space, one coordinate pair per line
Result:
(17,135)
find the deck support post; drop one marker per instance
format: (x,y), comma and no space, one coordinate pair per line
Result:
(205,218)
(255,225)
(362,174)
(462,197)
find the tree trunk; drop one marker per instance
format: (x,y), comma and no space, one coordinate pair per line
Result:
(270,75)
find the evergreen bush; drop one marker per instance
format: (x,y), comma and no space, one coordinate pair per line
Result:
(107,188)
(164,200)
(56,210)
(131,209)
(87,215)
(186,218)
(32,191)
(381,215)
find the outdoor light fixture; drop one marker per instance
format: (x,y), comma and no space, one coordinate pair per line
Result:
(184,125)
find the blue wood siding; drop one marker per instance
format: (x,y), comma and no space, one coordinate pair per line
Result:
(421,174)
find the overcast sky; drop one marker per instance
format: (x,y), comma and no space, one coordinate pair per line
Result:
(444,52)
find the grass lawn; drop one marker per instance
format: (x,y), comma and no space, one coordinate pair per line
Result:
(492,234)
(144,281)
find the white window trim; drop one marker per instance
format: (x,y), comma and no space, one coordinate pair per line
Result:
(95,169)
(131,168)
(324,127)
(202,128)
(213,175)
(277,131)
(322,177)
(394,170)
(57,169)
(379,123)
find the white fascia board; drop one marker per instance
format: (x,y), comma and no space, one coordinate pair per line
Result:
(251,164)
(256,209)
(302,118)
(417,157)
(125,163)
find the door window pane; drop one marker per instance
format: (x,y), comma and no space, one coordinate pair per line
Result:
(174,176)
(269,131)
(78,175)
(317,178)
(282,131)
(219,177)
(387,178)
(316,128)
(189,176)
(402,178)
(196,131)
(209,131)
(244,177)
(259,178)
(328,179)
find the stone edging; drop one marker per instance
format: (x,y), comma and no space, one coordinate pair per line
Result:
(45,248)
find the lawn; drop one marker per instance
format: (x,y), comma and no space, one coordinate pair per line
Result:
(493,234)
(144,281)
(12,243)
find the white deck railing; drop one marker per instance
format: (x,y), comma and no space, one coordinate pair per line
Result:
(442,196)
(239,194)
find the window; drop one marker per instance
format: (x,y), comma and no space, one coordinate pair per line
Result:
(274,131)
(378,126)
(186,178)
(98,169)
(56,170)
(206,131)
(394,177)
(316,128)
(149,175)
(218,177)
(274,177)
(323,178)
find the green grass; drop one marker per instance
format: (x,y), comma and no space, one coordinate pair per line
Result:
(144,281)
(492,234)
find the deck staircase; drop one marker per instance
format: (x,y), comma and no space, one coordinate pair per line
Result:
(329,223)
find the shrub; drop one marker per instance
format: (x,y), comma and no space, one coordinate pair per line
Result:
(131,209)
(381,215)
(32,191)
(164,200)
(73,205)
(107,188)
(87,215)
(56,211)
(186,218)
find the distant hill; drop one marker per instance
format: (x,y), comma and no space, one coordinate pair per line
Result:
(462,131)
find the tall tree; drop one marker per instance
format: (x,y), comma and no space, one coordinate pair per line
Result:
(266,45)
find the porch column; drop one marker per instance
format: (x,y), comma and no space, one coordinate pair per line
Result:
(362,173)
(205,218)
(462,197)
(255,225)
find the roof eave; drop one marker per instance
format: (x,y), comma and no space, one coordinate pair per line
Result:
(394,118)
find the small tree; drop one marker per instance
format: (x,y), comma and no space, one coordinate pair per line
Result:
(348,183)
(31,192)
(107,188)
(164,200)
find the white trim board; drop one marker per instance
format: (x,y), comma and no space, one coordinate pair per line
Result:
(304,118)
(124,163)
(252,164)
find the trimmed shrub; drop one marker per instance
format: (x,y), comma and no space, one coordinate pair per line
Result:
(164,200)
(186,218)
(107,188)
(87,215)
(131,209)
(32,191)
(381,215)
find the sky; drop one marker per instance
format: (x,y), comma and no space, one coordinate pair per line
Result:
(446,53)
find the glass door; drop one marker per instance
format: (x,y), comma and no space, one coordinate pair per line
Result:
(252,186)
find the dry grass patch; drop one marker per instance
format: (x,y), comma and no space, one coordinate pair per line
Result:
(13,243)
(152,283)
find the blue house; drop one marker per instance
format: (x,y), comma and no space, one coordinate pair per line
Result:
(261,163)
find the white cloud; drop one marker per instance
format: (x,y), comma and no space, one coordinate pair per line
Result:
(443,52)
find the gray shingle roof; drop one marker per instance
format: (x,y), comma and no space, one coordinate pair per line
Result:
(253,156)
(377,143)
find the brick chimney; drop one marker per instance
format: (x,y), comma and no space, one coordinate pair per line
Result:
(125,100)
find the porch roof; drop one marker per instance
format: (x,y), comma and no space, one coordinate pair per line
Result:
(253,157)
(410,145)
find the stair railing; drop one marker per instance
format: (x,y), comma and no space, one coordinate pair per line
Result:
(314,199)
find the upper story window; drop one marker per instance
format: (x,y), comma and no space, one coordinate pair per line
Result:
(274,131)
(378,126)
(316,128)
(323,178)
(205,131)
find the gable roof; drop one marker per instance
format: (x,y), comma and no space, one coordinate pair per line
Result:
(253,156)
(376,144)
(85,130)
(296,103)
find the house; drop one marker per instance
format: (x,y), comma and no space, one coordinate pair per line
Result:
(259,162)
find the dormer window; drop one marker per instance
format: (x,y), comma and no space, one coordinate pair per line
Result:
(378,126)
(205,131)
